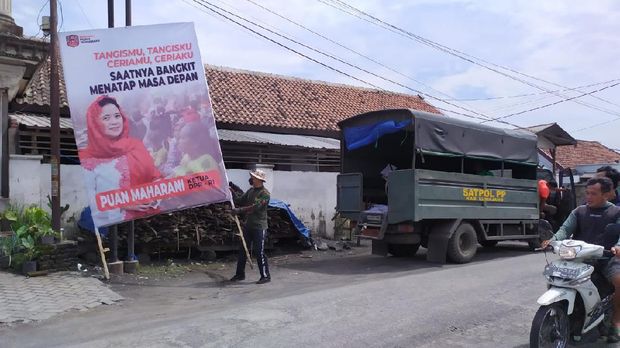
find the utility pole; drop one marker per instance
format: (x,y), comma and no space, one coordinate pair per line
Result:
(116,266)
(128,13)
(132,263)
(55,116)
(110,13)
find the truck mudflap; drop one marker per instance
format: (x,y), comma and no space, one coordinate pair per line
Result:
(372,223)
(438,240)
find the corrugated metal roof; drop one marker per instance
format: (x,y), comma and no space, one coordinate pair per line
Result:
(33,120)
(313,142)
(279,139)
(554,133)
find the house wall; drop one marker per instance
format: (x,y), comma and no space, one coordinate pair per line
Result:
(311,195)
(30,183)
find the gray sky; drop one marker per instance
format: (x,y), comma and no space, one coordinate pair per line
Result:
(567,43)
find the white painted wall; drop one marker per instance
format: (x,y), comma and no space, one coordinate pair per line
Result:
(25,179)
(311,195)
(30,183)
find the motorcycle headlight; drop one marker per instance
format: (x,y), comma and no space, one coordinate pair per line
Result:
(567,252)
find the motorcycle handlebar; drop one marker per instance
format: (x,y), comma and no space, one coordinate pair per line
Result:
(607,253)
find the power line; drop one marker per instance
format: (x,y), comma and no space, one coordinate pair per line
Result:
(84,14)
(528,102)
(452,51)
(39,16)
(337,4)
(484,117)
(62,16)
(554,103)
(397,72)
(597,125)
(349,49)
(544,96)
(533,94)
(189,3)
(361,80)
(210,6)
(283,46)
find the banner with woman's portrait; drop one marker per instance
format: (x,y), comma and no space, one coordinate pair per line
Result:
(143,121)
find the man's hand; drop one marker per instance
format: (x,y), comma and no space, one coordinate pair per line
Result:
(616,251)
(545,243)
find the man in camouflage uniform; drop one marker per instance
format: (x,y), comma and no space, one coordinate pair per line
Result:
(253,205)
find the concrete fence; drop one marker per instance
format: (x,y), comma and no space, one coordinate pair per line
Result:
(311,195)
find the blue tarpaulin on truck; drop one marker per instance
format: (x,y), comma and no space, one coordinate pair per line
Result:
(359,136)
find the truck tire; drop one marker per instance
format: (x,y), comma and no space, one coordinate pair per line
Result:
(463,244)
(403,250)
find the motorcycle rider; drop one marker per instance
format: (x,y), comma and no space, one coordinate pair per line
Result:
(614,176)
(587,222)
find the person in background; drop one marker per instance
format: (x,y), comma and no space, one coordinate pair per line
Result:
(543,195)
(614,176)
(157,139)
(194,158)
(479,169)
(253,204)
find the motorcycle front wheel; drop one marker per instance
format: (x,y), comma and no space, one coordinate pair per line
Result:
(550,327)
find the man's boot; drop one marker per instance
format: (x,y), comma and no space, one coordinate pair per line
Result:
(237,278)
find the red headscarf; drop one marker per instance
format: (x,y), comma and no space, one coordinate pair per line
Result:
(100,146)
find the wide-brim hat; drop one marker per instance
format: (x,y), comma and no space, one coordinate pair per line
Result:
(259,174)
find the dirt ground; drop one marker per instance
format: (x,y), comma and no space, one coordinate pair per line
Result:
(178,278)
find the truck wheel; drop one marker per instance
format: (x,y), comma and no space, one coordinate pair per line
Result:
(463,244)
(403,250)
(488,243)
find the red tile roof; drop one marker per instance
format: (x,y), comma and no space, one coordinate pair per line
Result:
(585,152)
(258,101)
(242,98)
(37,92)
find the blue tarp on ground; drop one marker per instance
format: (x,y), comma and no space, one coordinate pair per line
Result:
(86,222)
(360,136)
(301,228)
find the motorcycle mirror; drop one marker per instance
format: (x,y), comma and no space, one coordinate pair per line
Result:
(545,231)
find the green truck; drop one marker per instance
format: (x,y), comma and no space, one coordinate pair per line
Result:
(410,179)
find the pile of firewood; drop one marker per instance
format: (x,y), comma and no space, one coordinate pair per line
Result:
(280,224)
(206,226)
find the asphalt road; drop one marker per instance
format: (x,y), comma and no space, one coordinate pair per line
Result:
(349,301)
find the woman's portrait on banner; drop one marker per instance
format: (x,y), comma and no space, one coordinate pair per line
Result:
(113,160)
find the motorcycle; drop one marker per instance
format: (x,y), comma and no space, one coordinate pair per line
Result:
(578,298)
